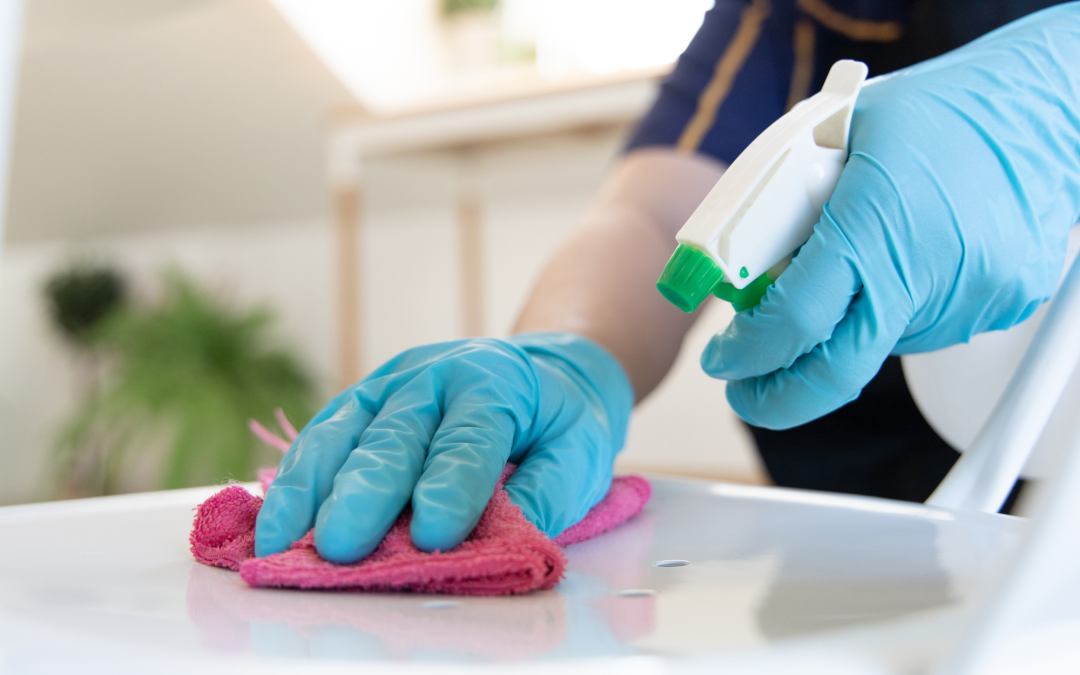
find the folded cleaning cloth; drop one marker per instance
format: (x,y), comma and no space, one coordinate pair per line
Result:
(504,555)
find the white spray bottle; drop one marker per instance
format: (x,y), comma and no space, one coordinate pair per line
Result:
(742,236)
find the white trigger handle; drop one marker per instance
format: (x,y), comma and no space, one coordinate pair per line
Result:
(767,202)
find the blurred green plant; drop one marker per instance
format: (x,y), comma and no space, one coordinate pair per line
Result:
(186,375)
(81,296)
(453,7)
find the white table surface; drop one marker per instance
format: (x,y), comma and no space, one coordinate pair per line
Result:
(866,585)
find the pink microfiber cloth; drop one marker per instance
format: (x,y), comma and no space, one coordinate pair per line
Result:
(504,555)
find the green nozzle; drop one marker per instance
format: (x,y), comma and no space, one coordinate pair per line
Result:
(688,278)
(744,298)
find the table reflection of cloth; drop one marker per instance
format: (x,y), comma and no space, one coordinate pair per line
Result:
(504,555)
(232,616)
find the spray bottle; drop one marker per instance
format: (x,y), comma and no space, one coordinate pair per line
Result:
(742,236)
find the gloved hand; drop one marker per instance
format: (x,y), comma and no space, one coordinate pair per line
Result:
(950,219)
(435,426)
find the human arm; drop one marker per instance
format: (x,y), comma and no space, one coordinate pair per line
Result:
(602,282)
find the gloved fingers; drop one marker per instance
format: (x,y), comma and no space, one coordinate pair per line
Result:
(832,374)
(560,479)
(377,479)
(463,464)
(800,310)
(330,409)
(377,387)
(305,476)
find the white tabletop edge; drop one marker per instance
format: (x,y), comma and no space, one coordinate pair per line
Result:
(112,503)
(193,496)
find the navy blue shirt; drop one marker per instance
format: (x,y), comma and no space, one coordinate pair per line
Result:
(751,60)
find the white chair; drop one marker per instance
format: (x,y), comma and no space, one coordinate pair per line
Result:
(1033,588)
(985,473)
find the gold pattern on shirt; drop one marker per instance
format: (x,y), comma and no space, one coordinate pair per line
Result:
(856,29)
(727,67)
(802,73)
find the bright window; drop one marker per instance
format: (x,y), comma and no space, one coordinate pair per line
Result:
(394,52)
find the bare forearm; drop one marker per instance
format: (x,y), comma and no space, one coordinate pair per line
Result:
(602,282)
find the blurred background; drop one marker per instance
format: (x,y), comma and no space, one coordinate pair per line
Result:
(219,207)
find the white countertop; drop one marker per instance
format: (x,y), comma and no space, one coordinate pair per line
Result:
(109,585)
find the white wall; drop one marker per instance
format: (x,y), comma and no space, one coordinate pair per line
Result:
(135,115)
(533,191)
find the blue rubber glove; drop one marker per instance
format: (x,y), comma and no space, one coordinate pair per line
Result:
(950,219)
(435,426)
